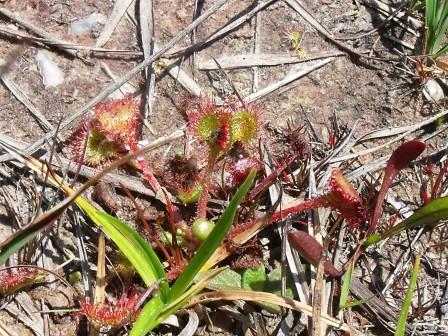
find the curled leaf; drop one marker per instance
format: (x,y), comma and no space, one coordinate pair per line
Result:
(400,158)
(311,250)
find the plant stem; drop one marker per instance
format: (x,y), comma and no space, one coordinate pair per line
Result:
(313,203)
(146,170)
(202,203)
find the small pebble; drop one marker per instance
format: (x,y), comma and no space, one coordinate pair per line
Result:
(86,25)
(51,74)
(433,91)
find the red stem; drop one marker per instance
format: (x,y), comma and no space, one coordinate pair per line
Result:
(270,179)
(172,227)
(388,178)
(145,222)
(146,170)
(436,189)
(317,202)
(202,203)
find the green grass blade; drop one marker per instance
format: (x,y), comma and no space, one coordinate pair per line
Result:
(430,15)
(431,213)
(442,51)
(345,290)
(131,244)
(212,242)
(401,325)
(441,11)
(148,317)
(440,36)
(16,244)
(20,238)
(441,26)
(356,303)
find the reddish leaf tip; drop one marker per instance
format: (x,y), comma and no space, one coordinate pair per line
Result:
(406,153)
(310,249)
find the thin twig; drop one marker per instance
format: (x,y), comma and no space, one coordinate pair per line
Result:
(242,61)
(257,40)
(38,31)
(224,30)
(147,37)
(44,42)
(25,100)
(118,11)
(288,79)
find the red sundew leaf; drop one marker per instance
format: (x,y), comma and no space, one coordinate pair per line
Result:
(92,148)
(116,314)
(244,122)
(16,279)
(405,154)
(241,168)
(112,130)
(400,158)
(343,198)
(310,249)
(119,120)
(210,123)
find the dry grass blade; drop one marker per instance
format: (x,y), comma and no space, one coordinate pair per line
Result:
(100,288)
(38,31)
(389,10)
(4,330)
(101,269)
(147,37)
(43,42)
(243,17)
(384,314)
(254,60)
(192,325)
(22,309)
(174,70)
(25,100)
(285,81)
(183,78)
(269,298)
(118,11)
(383,133)
(390,142)
(292,258)
(318,300)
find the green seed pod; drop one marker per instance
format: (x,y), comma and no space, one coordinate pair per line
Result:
(202,228)
(167,238)
(75,277)
(190,196)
